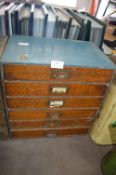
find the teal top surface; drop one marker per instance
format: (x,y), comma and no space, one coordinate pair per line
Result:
(33,50)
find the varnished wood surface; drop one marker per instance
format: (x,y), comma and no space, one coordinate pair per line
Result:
(45,102)
(49,123)
(45,73)
(43,89)
(47,133)
(45,114)
(75,123)
(30,86)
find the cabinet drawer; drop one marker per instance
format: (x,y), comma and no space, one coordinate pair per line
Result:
(53,102)
(45,73)
(32,124)
(47,132)
(44,89)
(51,114)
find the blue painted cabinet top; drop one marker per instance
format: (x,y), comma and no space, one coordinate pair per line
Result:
(32,50)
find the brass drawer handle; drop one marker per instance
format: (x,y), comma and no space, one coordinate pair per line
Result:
(61,74)
(58,90)
(56,103)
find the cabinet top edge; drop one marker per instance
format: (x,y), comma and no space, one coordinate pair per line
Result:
(41,51)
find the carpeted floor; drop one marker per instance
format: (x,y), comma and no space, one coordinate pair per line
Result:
(75,155)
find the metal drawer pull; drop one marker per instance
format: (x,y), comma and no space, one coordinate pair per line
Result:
(59,90)
(56,103)
(60,74)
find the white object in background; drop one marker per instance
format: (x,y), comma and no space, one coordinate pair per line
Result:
(71,3)
(107,50)
(102,131)
(102,7)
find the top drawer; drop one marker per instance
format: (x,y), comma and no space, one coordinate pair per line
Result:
(45,73)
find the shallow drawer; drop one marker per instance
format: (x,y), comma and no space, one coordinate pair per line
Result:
(53,102)
(31,124)
(45,73)
(44,89)
(47,132)
(51,114)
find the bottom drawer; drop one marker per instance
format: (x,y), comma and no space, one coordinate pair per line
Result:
(35,133)
(33,124)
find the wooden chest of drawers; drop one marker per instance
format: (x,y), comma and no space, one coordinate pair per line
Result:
(43,100)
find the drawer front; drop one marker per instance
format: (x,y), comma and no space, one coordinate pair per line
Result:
(51,114)
(45,73)
(47,132)
(49,124)
(53,102)
(44,89)
(31,124)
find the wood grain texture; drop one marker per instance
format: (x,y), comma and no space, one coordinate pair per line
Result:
(44,133)
(45,73)
(75,123)
(28,124)
(43,89)
(28,103)
(49,123)
(45,114)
